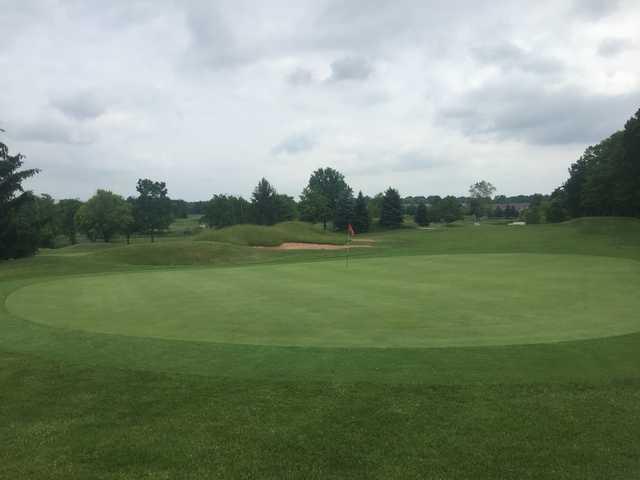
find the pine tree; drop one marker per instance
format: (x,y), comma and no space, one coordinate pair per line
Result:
(264,203)
(391,211)
(344,211)
(421,215)
(361,218)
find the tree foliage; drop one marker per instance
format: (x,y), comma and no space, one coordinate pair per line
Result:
(19,232)
(153,208)
(361,216)
(265,203)
(391,210)
(104,215)
(345,211)
(480,195)
(224,211)
(319,198)
(66,218)
(420,216)
(605,180)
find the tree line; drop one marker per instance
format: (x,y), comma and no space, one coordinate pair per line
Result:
(604,181)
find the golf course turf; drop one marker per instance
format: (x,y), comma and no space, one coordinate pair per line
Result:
(420,301)
(202,359)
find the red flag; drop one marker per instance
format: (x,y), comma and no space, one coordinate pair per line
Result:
(350,230)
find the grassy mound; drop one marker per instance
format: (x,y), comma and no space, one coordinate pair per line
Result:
(605,225)
(272,236)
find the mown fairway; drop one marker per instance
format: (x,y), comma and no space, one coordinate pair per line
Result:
(207,360)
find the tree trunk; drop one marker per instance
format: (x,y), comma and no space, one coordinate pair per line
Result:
(152,237)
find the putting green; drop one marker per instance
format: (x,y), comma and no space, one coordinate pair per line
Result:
(419,301)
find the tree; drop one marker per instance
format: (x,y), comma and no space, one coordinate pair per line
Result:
(104,215)
(480,194)
(66,213)
(420,216)
(535,211)
(450,209)
(264,201)
(391,211)
(329,184)
(45,214)
(286,208)
(223,211)
(345,211)
(314,207)
(605,180)
(153,209)
(361,218)
(19,235)
(375,205)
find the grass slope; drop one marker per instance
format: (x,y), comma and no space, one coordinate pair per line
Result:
(269,236)
(78,404)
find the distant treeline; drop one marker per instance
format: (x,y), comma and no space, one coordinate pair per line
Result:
(604,181)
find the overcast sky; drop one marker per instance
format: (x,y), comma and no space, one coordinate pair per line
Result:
(209,96)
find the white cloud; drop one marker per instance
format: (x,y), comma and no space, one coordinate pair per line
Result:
(425,95)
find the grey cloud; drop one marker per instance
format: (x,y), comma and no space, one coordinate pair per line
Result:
(610,47)
(511,57)
(416,160)
(537,116)
(595,9)
(294,144)
(350,68)
(213,41)
(300,77)
(80,106)
(54,131)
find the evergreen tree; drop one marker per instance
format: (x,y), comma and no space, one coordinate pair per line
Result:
(391,210)
(421,215)
(264,201)
(19,234)
(345,210)
(361,218)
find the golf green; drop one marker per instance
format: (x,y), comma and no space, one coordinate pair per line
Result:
(420,301)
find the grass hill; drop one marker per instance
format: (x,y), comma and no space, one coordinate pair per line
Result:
(272,236)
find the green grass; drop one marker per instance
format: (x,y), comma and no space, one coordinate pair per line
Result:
(256,235)
(419,301)
(75,403)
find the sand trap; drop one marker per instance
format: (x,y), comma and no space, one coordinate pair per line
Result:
(311,246)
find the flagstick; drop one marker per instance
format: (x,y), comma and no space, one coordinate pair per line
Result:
(348,248)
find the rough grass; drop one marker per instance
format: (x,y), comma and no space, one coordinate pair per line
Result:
(272,236)
(84,405)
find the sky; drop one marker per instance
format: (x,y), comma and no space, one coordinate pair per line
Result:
(209,96)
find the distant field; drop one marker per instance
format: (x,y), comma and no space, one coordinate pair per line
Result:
(460,352)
